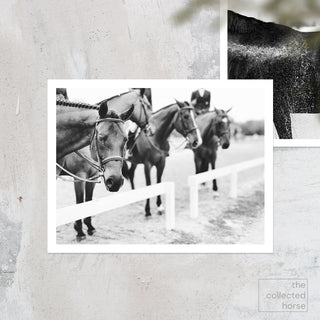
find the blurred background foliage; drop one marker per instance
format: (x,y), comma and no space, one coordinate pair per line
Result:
(193,8)
(296,13)
(252,127)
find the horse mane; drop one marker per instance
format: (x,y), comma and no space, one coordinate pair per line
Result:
(166,107)
(241,24)
(74,104)
(63,92)
(65,103)
(112,114)
(208,132)
(113,97)
(210,111)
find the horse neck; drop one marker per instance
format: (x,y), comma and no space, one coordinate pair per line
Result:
(163,121)
(208,128)
(123,102)
(74,130)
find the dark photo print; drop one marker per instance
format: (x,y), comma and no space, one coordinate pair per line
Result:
(266,41)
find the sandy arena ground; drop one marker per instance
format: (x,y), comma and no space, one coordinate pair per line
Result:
(222,220)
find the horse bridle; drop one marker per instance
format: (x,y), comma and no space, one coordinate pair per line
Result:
(103,162)
(223,133)
(98,165)
(187,131)
(146,126)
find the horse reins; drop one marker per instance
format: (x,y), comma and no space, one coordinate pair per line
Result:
(186,131)
(101,162)
(144,128)
(61,101)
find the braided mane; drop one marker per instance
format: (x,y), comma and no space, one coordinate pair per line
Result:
(162,109)
(66,103)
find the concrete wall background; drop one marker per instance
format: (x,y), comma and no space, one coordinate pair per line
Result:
(125,39)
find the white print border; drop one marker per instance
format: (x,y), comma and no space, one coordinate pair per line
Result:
(223,40)
(292,143)
(267,101)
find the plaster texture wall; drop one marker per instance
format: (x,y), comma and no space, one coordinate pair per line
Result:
(125,39)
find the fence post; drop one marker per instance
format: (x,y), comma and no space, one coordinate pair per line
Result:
(194,198)
(234,182)
(170,206)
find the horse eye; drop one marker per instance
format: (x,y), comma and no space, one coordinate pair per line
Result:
(104,140)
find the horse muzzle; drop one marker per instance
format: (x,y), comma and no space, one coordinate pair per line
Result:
(195,139)
(113,183)
(195,144)
(224,144)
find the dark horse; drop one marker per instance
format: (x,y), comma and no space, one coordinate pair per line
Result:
(77,164)
(260,50)
(153,150)
(79,125)
(215,130)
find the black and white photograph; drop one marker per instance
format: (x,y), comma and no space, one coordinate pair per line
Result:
(160,160)
(171,164)
(271,40)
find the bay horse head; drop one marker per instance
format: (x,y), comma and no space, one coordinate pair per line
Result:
(222,127)
(186,125)
(134,97)
(108,144)
(142,110)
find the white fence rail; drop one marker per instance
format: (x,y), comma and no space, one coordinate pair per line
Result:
(232,170)
(117,200)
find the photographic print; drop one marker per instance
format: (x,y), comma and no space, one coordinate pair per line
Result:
(160,166)
(160,160)
(269,40)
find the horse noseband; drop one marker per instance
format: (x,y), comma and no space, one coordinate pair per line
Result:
(223,133)
(112,158)
(103,162)
(193,128)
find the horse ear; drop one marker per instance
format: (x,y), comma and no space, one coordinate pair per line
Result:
(142,91)
(229,110)
(103,110)
(63,92)
(139,91)
(127,114)
(179,103)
